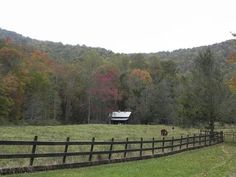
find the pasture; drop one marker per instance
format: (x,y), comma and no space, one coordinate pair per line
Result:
(87,132)
(214,161)
(76,133)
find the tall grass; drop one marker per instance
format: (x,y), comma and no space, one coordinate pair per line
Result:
(77,133)
(86,132)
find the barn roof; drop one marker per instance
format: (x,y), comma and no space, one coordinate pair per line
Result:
(120,116)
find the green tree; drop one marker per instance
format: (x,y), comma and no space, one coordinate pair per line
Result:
(37,97)
(10,59)
(205,95)
(138,62)
(70,89)
(5,104)
(2,43)
(139,97)
(164,108)
(89,66)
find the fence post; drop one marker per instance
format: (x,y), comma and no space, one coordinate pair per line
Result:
(200,139)
(217,137)
(233,136)
(111,146)
(172,144)
(210,138)
(194,139)
(205,138)
(33,150)
(66,149)
(187,141)
(163,144)
(141,147)
(153,146)
(221,136)
(181,141)
(126,146)
(214,137)
(91,149)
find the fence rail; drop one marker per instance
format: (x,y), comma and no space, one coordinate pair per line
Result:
(144,149)
(230,136)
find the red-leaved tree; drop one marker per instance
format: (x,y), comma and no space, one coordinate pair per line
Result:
(105,92)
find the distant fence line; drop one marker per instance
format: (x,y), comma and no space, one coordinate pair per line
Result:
(230,136)
(144,149)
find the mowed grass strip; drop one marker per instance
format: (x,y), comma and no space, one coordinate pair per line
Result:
(215,161)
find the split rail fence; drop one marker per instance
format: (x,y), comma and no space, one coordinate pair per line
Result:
(127,150)
(230,136)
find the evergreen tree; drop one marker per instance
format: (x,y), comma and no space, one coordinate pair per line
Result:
(205,94)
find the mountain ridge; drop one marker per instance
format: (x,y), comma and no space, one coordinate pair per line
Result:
(60,51)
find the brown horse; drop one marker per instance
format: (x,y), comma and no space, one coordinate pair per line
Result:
(164,132)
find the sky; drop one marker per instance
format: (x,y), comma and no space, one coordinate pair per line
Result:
(123,26)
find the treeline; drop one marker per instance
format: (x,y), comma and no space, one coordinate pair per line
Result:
(36,88)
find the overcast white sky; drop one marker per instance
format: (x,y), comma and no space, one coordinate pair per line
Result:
(125,26)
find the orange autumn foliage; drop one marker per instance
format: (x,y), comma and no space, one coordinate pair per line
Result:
(40,61)
(232,83)
(143,75)
(232,58)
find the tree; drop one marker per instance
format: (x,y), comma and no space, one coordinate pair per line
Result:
(10,59)
(138,62)
(232,81)
(5,104)
(14,88)
(38,103)
(205,95)
(41,97)
(70,87)
(2,43)
(232,58)
(89,65)
(164,93)
(105,93)
(155,69)
(139,97)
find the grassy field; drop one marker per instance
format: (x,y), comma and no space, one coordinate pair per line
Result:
(215,161)
(86,132)
(77,132)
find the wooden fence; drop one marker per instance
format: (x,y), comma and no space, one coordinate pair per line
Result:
(230,136)
(142,149)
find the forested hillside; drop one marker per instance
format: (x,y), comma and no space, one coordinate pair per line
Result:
(47,83)
(57,51)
